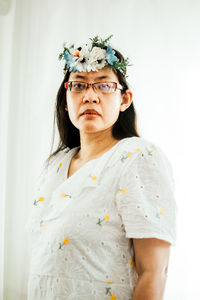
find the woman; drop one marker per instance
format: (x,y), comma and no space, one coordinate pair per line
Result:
(104,212)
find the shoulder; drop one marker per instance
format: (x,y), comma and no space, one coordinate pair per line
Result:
(58,157)
(53,161)
(142,145)
(135,147)
(145,153)
(135,141)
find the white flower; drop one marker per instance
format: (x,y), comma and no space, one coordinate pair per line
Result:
(97,59)
(97,54)
(95,66)
(80,58)
(86,59)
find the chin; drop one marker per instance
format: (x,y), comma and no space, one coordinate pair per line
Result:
(90,128)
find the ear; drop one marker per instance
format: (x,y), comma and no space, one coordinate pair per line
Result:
(126,100)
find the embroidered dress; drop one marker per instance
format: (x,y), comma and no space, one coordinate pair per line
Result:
(81,227)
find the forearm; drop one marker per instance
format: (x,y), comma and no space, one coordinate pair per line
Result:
(150,286)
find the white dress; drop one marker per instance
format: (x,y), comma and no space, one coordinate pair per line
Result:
(81,227)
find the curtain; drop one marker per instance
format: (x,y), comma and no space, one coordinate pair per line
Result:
(161,38)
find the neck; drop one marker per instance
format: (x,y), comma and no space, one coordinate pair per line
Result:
(94,144)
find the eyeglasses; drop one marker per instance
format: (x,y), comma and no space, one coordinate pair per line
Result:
(100,87)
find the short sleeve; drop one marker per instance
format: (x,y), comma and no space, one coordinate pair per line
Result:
(146,196)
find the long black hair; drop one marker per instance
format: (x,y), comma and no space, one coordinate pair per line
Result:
(125,126)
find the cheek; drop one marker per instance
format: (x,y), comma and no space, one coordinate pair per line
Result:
(71,107)
(111,113)
(72,114)
(112,108)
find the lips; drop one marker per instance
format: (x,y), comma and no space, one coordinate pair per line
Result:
(90,112)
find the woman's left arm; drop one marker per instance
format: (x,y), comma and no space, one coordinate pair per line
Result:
(151,259)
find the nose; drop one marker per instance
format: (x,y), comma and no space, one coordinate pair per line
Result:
(90,95)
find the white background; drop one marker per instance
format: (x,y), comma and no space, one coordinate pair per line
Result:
(162,40)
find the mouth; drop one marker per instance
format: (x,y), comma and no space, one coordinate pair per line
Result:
(90,113)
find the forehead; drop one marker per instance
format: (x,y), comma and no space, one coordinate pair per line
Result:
(103,74)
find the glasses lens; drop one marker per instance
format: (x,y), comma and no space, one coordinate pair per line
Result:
(76,86)
(106,87)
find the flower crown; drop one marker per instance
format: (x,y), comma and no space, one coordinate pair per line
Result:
(92,57)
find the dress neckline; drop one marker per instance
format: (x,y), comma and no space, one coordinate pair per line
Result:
(72,152)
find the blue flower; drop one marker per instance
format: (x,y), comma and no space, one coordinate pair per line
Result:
(73,69)
(110,55)
(68,58)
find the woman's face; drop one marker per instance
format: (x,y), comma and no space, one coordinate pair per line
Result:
(108,106)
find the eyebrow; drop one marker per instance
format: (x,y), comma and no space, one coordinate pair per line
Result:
(97,78)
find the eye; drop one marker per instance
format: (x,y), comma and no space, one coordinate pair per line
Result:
(78,86)
(105,86)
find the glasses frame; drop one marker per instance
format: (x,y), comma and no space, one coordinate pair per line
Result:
(118,86)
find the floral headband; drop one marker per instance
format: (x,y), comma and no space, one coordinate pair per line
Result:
(92,57)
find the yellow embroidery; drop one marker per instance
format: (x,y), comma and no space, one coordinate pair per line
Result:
(63,195)
(100,221)
(112,297)
(109,282)
(125,156)
(66,241)
(162,211)
(94,178)
(123,191)
(43,226)
(60,165)
(39,200)
(131,262)
(138,149)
